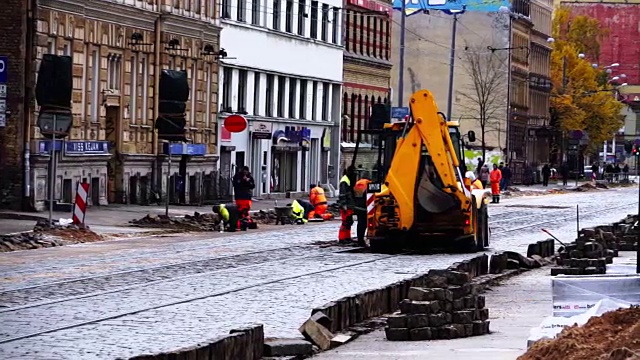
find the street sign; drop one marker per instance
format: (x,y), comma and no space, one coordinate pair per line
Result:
(4,62)
(86,148)
(399,112)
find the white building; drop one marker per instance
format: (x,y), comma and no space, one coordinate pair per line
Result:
(284,72)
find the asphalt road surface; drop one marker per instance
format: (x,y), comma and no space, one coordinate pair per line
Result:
(127,297)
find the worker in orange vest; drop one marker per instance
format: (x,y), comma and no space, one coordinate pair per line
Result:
(318,199)
(476,184)
(494,177)
(346,202)
(360,194)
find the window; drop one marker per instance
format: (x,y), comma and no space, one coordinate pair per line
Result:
(314,100)
(289,20)
(226,9)
(194,94)
(361,33)
(292,97)
(269,95)
(302,11)
(113,72)
(326,89)
(368,43)
(376,37)
(336,26)
(256,94)
(227,77)
(276,14)
(144,70)
(66,49)
(314,19)
(207,94)
(242,10)
(347,29)
(51,46)
(242,90)
(255,12)
(387,41)
(133,90)
(325,23)
(303,99)
(95,85)
(281,87)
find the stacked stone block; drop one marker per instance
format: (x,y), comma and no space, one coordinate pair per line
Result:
(448,307)
(626,235)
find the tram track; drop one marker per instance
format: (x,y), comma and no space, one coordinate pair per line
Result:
(212,294)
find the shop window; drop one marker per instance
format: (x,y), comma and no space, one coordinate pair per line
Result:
(314,20)
(276,14)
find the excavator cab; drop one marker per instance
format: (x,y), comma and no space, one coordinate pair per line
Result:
(423,200)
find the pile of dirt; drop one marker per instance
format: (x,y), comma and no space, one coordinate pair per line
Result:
(613,336)
(513,191)
(195,222)
(590,187)
(46,235)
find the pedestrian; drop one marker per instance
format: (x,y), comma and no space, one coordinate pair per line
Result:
(318,200)
(360,199)
(564,172)
(346,202)
(495,178)
(479,167)
(501,168)
(243,185)
(229,215)
(506,177)
(528,174)
(546,173)
(484,175)
(595,171)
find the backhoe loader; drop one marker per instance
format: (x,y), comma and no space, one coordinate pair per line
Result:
(424,200)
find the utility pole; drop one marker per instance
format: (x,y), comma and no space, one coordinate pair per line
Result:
(403,22)
(452,59)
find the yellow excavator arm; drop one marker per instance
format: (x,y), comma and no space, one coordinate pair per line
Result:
(437,186)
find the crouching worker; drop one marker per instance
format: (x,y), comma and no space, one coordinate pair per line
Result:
(230,216)
(319,202)
(300,210)
(476,184)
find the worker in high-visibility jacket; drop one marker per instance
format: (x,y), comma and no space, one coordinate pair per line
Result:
(494,177)
(318,200)
(476,184)
(360,195)
(230,216)
(346,202)
(298,212)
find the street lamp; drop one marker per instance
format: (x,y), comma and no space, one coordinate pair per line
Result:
(452,52)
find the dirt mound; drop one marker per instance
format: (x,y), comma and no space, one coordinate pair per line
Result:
(195,222)
(601,338)
(45,235)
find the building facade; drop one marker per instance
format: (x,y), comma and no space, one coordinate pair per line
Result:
(366,76)
(119,49)
(283,73)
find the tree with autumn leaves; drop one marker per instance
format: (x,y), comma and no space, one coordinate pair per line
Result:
(580,100)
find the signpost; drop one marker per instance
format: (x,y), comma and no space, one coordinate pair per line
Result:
(3,90)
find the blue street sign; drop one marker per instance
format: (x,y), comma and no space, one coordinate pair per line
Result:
(4,69)
(86,148)
(44,146)
(413,6)
(399,112)
(186,149)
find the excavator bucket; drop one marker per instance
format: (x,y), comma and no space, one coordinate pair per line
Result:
(431,197)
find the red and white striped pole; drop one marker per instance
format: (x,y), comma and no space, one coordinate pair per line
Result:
(80,207)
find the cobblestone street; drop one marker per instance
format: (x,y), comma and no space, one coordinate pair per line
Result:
(126,297)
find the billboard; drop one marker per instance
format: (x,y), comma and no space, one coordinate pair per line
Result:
(413,6)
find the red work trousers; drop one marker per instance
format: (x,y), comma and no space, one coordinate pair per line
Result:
(495,188)
(345,226)
(244,206)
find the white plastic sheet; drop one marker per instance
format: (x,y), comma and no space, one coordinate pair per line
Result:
(573,295)
(553,325)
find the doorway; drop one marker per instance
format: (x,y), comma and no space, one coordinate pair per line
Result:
(225,174)
(95,191)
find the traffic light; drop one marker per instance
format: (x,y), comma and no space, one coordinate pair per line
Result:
(628,147)
(635,151)
(173,94)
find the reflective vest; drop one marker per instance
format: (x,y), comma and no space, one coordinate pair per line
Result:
(298,211)
(346,192)
(224,213)
(317,197)
(477,184)
(360,189)
(345,179)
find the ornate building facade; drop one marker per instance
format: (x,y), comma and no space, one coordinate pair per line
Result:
(119,49)
(367,74)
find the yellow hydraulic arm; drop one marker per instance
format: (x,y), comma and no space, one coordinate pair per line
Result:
(429,129)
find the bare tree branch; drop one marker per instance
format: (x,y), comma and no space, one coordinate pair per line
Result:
(485,98)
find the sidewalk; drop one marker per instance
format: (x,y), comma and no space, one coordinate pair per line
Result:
(517,305)
(107,218)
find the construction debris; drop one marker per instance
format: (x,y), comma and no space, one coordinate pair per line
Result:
(45,235)
(195,222)
(613,336)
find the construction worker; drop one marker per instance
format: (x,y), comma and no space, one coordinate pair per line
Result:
(476,184)
(230,216)
(319,202)
(299,212)
(345,201)
(360,195)
(243,185)
(495,178)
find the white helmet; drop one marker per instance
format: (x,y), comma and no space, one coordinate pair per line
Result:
(470,175)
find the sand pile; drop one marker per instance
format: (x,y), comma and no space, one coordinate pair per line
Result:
(613,336)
